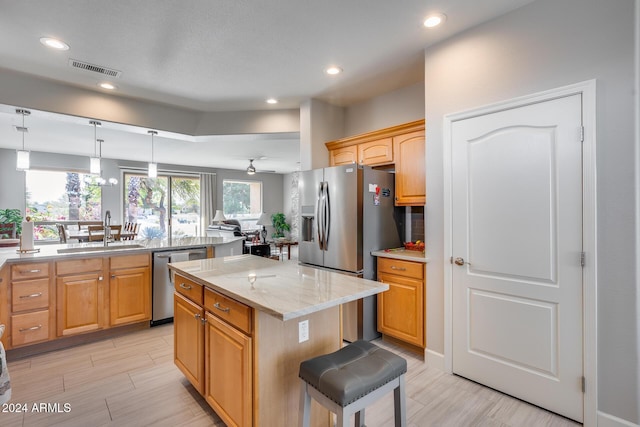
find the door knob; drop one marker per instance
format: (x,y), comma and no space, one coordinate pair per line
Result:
(459,261)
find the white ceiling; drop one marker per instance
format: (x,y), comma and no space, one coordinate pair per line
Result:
(217,55)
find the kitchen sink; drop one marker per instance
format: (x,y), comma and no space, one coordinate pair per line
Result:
(98,248)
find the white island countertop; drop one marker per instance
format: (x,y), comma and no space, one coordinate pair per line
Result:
(284,290)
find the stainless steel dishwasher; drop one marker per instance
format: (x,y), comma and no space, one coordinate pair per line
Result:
(162,307)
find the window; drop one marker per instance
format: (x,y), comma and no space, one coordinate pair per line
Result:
(60,196)
(242,200)
(163,205)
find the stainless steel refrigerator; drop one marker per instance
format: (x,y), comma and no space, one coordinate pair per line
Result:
(345,213)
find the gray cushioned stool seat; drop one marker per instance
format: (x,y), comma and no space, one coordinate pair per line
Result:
(352,372)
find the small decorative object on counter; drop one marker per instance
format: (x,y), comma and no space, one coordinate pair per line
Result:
(417,246)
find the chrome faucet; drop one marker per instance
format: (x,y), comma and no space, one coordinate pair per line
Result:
(107,228)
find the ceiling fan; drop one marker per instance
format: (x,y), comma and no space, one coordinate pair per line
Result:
(251,170)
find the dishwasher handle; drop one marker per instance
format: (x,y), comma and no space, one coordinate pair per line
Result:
(167,256)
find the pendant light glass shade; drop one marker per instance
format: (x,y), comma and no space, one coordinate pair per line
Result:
(153,170)
(22,161)
(94,165)
(22,156)
(153,167)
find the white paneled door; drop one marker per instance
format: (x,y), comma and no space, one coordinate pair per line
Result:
(517,244)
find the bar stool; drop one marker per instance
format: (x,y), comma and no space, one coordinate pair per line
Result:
(348,380)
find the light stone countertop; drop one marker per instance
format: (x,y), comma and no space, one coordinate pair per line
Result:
(402,254)
(49,251)
(284,290)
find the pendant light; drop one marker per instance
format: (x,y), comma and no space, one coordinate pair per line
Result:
(22,156)
(153,167)
(94,162)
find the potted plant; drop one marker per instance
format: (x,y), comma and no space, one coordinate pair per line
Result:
(12,216)
(280,225)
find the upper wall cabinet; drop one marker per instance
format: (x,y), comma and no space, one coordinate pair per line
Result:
(402,146)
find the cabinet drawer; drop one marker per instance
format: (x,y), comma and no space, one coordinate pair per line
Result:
(30,327)
(188,288)
(30,294)
(75,266)
(401,268)
(30,271)
(229,310)
(128,261)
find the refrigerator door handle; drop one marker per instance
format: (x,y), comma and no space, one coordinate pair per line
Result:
(327,226)
(319,214)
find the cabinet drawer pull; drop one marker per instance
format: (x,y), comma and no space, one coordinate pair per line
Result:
(39,294)
(221,308)
(185,286)
(30,271)
(33,328)
(393,267)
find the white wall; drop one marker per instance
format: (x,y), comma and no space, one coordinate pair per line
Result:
(393,108)
(548,44)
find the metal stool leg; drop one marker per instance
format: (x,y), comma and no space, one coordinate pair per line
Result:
(305,405)
(399,404)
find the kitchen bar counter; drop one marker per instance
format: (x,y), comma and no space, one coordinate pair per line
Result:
(241,339)
(402,254)
(57,251)
(282,289)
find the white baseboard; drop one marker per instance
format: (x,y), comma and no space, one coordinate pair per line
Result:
(607,420)
(434,360)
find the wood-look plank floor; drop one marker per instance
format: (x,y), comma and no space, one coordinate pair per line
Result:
(131,381)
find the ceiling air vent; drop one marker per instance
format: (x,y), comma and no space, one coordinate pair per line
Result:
(95,68)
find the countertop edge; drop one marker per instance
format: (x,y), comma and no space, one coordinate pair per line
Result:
(402,254)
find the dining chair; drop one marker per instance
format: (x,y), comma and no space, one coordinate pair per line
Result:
(62,233)
(116,232)
(96,232)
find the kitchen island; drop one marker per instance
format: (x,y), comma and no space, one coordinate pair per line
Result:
(243,324)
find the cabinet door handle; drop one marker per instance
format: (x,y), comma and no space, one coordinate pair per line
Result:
(184,286)
(221,308)
(113,276)
(197,315)
(393,267)
(100,278)
(203,320)
(33,328)
(39,294)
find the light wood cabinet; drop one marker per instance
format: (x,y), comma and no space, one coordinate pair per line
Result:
(228,372)
(401,147)
(31,303)
(409,157)
(81,296)
(129,289)
(343,156)
(401,309)
(378,152)
(188,340)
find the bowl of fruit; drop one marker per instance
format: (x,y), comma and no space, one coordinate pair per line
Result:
(414,246)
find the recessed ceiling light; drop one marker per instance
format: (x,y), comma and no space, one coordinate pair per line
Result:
(107,86)
(434,20)
(54,43)
(333,70)
(272,101)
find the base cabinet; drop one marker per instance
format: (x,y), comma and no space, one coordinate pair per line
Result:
(228,372)
(188,340)
(81,296)
(129,289)
(401,310)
